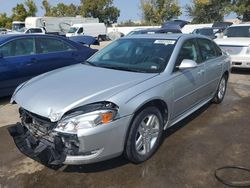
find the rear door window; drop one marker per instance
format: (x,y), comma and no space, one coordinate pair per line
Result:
(49,45)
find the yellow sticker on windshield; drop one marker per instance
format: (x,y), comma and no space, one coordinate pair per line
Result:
(165,42)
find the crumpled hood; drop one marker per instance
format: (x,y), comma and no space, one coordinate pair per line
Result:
(66,88)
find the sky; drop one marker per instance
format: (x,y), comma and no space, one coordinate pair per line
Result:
(129,8)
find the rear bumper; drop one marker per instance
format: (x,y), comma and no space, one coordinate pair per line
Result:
(241,61)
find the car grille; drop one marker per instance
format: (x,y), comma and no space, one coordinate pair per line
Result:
(232,50)
(38,126)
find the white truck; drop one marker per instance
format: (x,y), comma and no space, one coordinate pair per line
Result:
(17,25)
(56,25)
(98,30)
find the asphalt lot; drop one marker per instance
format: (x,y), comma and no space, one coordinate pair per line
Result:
(214,136)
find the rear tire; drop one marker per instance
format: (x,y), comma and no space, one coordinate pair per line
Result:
(221,90)
(144,135)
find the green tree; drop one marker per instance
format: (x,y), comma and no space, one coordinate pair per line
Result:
(60,9)
(32,8)
(102,9)
(47,7)
(207,11)
(19,12)
(5,21)
(158,11)
(242,9)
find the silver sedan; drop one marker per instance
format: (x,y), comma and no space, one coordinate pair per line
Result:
(119,101)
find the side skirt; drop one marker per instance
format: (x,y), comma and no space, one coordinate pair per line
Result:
(187,113)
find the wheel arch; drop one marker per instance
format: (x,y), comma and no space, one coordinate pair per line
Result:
(226,73)
(159,103)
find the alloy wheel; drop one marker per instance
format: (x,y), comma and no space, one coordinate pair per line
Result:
(222,88)
(147,134)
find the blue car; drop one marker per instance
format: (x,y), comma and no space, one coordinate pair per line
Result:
(25,56)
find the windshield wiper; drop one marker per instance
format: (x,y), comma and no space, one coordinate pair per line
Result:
(124,69)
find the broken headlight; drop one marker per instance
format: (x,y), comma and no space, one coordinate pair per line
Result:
(87,117)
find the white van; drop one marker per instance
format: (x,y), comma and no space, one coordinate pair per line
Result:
(56,25)
(97,30)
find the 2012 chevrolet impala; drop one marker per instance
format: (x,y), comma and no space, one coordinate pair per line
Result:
(120,100)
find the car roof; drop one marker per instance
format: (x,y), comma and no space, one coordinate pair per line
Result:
(239,25)
(7,37)
(204,28)
(174,36)
(34,28)
(158,29)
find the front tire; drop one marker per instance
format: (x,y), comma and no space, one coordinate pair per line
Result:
(221,90)
(144,135)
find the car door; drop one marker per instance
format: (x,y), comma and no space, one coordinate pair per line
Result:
(54,53)
(17,63)
(213,61)
(187,84)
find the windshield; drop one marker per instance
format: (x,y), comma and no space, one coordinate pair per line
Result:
(72,30)
(240,31)
(136,55)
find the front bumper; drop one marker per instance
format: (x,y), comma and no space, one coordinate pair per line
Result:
(41,150)
(95,144)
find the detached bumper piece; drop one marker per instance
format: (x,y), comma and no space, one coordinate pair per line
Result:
(41,150)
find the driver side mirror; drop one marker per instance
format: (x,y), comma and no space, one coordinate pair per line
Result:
(187,64)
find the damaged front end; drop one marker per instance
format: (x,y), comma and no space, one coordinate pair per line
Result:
(35,137)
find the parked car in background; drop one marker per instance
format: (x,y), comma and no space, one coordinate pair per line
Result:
(207,31)
(35,30)
(25,56)
(120,100)
(3,30)
(176,23)
(236,42)
(154,31)
(221,25)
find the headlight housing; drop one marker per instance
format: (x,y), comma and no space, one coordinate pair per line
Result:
(86,117)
